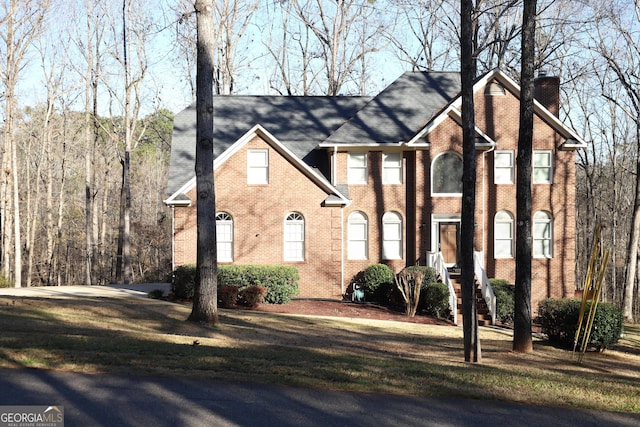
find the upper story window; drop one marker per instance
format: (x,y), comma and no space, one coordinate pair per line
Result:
(294,237)
(357,168)
(503,167)
(543,167)
(358,235)
(224,237)
(258,166)
(446,174)
(503,235)
(391,236)
(392,168)
(542,235)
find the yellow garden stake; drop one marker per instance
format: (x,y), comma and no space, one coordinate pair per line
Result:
(594,303)
(588,283)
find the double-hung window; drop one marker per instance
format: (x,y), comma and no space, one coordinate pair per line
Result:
(294,237)
(224,237)
(543,167)
(542,235)
(357,168)
(391,236)
(392,168)
(258,166)
(503,167)
(503,235)
(358,236)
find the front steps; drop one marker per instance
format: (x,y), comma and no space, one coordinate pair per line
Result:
(484,316)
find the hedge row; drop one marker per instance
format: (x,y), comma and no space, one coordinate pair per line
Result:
(280,282)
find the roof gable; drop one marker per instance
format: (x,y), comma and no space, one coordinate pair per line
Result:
(335,196)
(573,140)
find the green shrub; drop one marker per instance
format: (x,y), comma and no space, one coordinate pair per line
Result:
(505,305)
(378,282)
(184,279)
(280,281)
(435,297)
(251,296)
(559,320)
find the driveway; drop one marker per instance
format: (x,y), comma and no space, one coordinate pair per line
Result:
(113,400)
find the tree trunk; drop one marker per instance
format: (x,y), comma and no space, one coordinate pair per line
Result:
(205,304)
(522,338)
(468,74)
(632,249)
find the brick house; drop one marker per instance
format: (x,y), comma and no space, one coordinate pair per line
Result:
(331,185)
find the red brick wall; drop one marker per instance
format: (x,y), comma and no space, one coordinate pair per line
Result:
(259,212)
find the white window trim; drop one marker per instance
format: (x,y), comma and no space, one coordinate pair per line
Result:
(511,167)
(495,235)
(351,167)
(297,219)
(392,218)
(261,178)
(533,168)
(227,220)
(362,220)
(433,193)
(395,166)
(547,220)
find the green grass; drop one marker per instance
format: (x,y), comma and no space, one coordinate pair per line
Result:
(152,337)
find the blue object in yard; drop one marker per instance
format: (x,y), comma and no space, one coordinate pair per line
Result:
(358,293)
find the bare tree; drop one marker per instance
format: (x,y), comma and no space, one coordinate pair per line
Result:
(205,298)
(22,23)
(620,49)
(522,333)
(345,37)
(472,351)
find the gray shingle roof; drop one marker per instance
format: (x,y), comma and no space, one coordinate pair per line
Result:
(400,110)
(301,123)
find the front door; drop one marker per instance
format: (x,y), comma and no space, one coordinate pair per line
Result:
(449,232)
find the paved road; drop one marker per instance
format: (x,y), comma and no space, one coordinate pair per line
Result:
(113,400)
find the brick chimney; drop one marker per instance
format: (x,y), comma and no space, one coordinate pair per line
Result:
(547,92)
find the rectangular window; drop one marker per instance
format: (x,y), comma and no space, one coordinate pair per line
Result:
(294,240)
(392,168)
(357,240)
(542,167)
(224,231)
(257,167)
(357,165)
(503,167)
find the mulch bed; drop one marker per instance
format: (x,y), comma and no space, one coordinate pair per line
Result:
(336,308)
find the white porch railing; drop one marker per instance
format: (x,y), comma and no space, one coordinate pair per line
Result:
(436,261)
(487,292)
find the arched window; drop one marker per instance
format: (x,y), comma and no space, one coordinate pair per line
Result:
(446,174)
(542,235)
(224,237)
(294,237)
(503,235)
(358,235)
(391,236)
